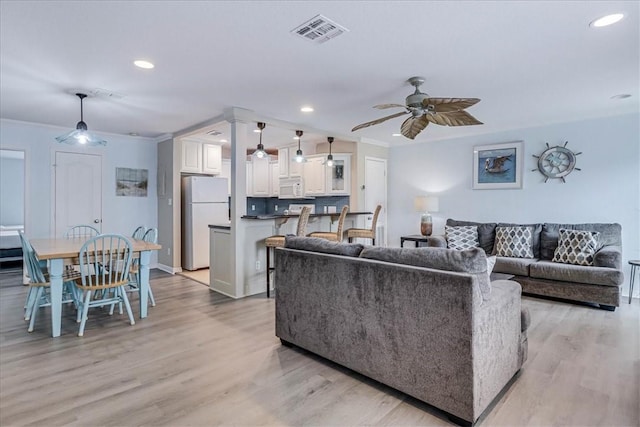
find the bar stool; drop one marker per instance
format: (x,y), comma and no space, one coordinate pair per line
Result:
(277,241)
(634,264)
(365,233)
(337,236)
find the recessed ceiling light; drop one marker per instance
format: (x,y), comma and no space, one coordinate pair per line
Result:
(621,96)
(257,130)
(606,20)
(143,64)
(296,138)
(307,109)
(223,140)
(396,134)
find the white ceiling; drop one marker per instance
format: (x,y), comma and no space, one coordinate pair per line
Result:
(531,62)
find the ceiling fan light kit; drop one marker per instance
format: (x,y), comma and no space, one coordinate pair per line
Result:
(425,110)
(80,135)
(260,153)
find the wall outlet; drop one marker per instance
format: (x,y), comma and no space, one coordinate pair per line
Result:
(257,265)
(276,208)
(253,207)
(169,251)
(169,201)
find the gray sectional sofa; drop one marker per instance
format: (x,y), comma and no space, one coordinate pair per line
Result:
(425,321)
(599,283)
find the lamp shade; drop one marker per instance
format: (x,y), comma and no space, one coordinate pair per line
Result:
(426,204)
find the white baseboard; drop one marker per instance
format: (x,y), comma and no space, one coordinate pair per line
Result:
(168,269)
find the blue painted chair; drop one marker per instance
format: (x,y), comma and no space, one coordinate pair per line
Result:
(151,236)
(39,285)
(104,265)
(138,233)
(81,231)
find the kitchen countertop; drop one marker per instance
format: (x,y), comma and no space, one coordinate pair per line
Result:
(315,215)
(220,226)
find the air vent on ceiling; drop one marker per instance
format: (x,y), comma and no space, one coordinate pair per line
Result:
(319,29)
(214,132)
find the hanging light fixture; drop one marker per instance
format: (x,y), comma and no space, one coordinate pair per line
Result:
(80,136)
(330,162)
(299,157)
(260,153)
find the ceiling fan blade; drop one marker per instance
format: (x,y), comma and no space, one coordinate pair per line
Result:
(383,106)
(413,126)
(445,105)
(377,121)
(453,118)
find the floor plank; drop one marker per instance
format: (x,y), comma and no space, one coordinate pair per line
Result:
(201,358)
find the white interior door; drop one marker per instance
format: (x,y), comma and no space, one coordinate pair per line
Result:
(78,190)
(375,193)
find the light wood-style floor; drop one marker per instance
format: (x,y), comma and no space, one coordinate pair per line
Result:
(203,359)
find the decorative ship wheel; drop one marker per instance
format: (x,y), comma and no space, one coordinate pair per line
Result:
(556,162)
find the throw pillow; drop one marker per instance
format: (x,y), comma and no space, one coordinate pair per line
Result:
(514,242)
(462,237)
(576,247)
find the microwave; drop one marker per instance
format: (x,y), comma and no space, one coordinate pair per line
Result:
(291,188)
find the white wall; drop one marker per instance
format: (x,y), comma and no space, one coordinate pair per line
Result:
(120,214)
(606,189)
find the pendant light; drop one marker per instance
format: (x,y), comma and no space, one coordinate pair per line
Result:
(80,136)
(299,157)
(329,162)
(260,153)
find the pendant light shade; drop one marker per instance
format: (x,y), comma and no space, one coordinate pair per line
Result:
(80,136)
(260,153)
(299,156)
(330,162)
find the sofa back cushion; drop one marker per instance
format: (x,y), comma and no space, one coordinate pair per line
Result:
(610,234)
(471,261)
(486,232)
(315,244)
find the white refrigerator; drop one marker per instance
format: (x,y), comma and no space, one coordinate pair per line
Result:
(205,201)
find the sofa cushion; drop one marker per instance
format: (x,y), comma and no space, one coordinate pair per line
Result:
(576,273)
(516,266)
(536,229)
(472,261)
(315,244)
(576,247)
(486,232)
(461,237)
(610,235)
(514,242)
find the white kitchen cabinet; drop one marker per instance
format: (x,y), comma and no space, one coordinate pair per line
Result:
(295,168)
(314,176)
(260,177)
(274,175)
(225,172)
(338,177)
(283,162)
(199,157)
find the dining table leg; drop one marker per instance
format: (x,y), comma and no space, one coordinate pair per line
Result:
(55,279)
(145,259)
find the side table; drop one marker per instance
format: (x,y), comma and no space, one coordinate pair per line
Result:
(417,238)
(634,264)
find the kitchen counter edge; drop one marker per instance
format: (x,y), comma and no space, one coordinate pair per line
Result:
(295,215)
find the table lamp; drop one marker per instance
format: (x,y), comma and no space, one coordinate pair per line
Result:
(426,204)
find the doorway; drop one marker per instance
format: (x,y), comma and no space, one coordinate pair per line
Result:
(77,191)
(12,206)
(375,193)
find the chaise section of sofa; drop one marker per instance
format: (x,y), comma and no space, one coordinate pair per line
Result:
(431,333)
(599,283)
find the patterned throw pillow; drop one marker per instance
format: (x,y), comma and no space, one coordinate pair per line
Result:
(462,237)
(514,242)
(576,247)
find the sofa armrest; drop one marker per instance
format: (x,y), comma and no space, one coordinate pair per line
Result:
(608,256)
(436,242)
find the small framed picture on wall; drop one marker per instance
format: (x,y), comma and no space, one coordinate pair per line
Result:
(497,166)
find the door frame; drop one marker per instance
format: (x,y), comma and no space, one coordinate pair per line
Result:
(386,198)
(52,160)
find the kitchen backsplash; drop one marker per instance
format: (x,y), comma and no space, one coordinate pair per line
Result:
(273,205)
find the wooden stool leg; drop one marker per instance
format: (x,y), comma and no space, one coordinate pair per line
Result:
(373,242)
(350,239)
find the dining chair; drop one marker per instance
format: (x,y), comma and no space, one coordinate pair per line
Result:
(277,241)
(81,231)
(138,233)
(151,236)
(328,235)
(365,233)
(39,286)
(104,265)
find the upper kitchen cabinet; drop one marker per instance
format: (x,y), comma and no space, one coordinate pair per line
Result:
(200,157)
(338,177)
(283,162)
(260,171)
(288,167)
(274,174)
(314,176)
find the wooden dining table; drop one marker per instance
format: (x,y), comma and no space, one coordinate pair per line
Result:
(65,251)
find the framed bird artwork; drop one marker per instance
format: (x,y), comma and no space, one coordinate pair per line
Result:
(497,166)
